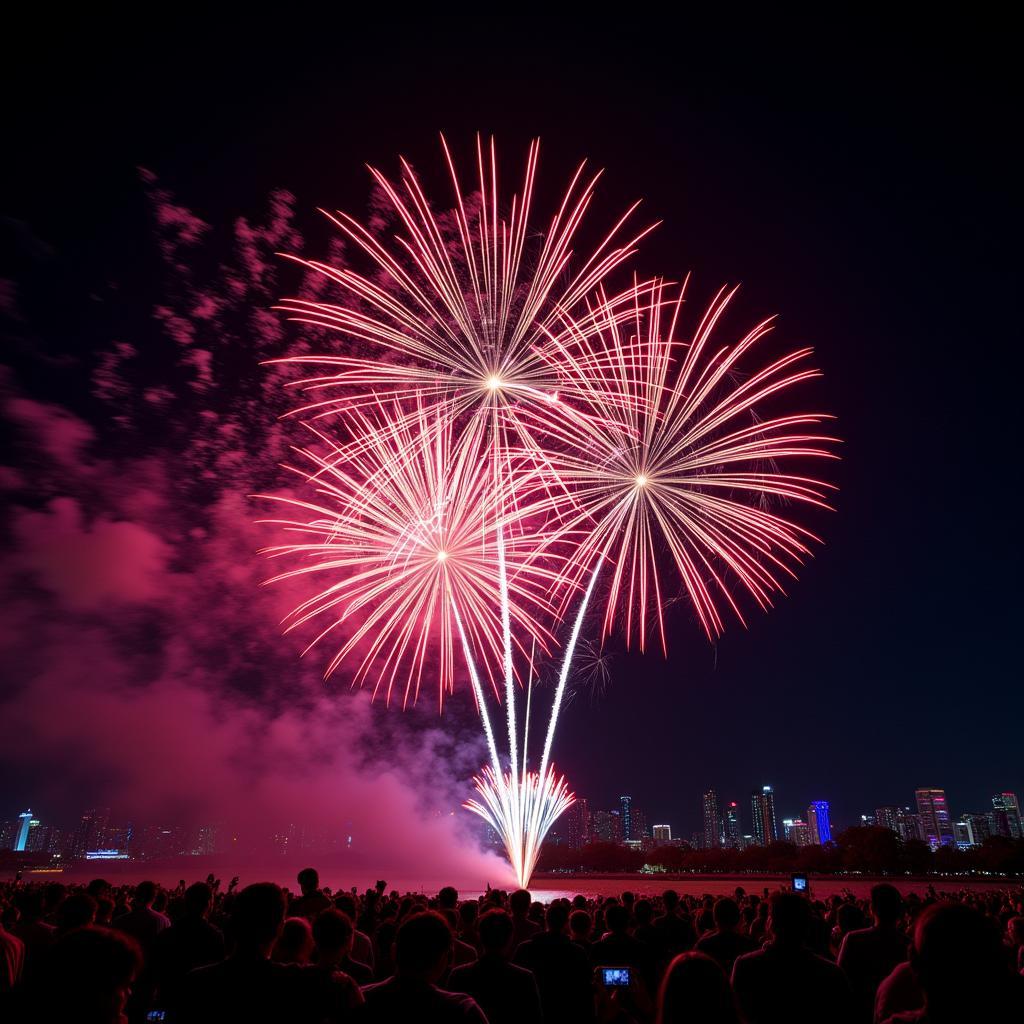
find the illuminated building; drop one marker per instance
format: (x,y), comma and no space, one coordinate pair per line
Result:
(820,821)
(662,834)
(762,807)
(626,817)
(25,823)
(90,833)
(606,826)
(638,828)
(733,837)
(797,832)
(712,820)
(908,825)
(887,818)
(578,823)
(933,815)
(1006,804)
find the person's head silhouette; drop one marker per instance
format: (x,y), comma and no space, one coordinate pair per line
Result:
(519,903)
(886,904)
(88,976)
(145,893)
(198,899)
(958,960)
(695,988)
(257,917)
(726,914)
(423,947)
(789,918)
(496,931)
(617,918)
(332,933)
(557,916)
(309,880)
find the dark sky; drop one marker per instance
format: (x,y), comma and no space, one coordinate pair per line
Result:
(859,180)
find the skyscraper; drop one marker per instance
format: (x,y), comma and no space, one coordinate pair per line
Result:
(626,817)
(820,822)
(90,834)
(24,824)
(762,806)
(578,825)
(798,832)
(662,834)
(733,836)
(1007,803)
(933,814)
(887,817)
(606,826)
(712,820)
(638,824)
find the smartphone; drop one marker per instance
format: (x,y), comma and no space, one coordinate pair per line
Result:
(614,977)
(800,884)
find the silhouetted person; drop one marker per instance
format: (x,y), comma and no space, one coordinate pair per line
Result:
(332,933)
(959,963)
(362,944)
(581,926)
(469,911)
(898,992)
(462,952)
(674,929)
(37,934)
(422,953)
(522,927)
(87,978)
(507,994)
(725,942)
(190,942)
(12,960)
(312,900)
(785,981)
(295,943)
(695,990)
(617,948)
(1014,943)
(868,955)
(142,922)
(248,986)
(78,910)
(561,968)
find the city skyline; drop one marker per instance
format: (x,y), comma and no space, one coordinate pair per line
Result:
(628,823)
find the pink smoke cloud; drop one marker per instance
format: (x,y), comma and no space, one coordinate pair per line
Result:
(142,664)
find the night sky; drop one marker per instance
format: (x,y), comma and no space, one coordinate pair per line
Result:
(860,182)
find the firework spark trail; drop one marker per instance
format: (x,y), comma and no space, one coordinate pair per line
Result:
(502,419)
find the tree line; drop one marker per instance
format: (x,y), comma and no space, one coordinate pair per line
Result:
(867,849)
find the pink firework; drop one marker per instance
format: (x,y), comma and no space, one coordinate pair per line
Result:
(404,536)
(455,309)
(683,459)
(514,437)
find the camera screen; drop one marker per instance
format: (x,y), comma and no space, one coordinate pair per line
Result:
(615,976)
(799,883)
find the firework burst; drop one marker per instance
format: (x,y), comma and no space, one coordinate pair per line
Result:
(513,435)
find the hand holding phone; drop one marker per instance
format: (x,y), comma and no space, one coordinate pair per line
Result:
(615,977)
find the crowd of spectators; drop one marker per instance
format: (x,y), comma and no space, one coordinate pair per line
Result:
(207,953)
